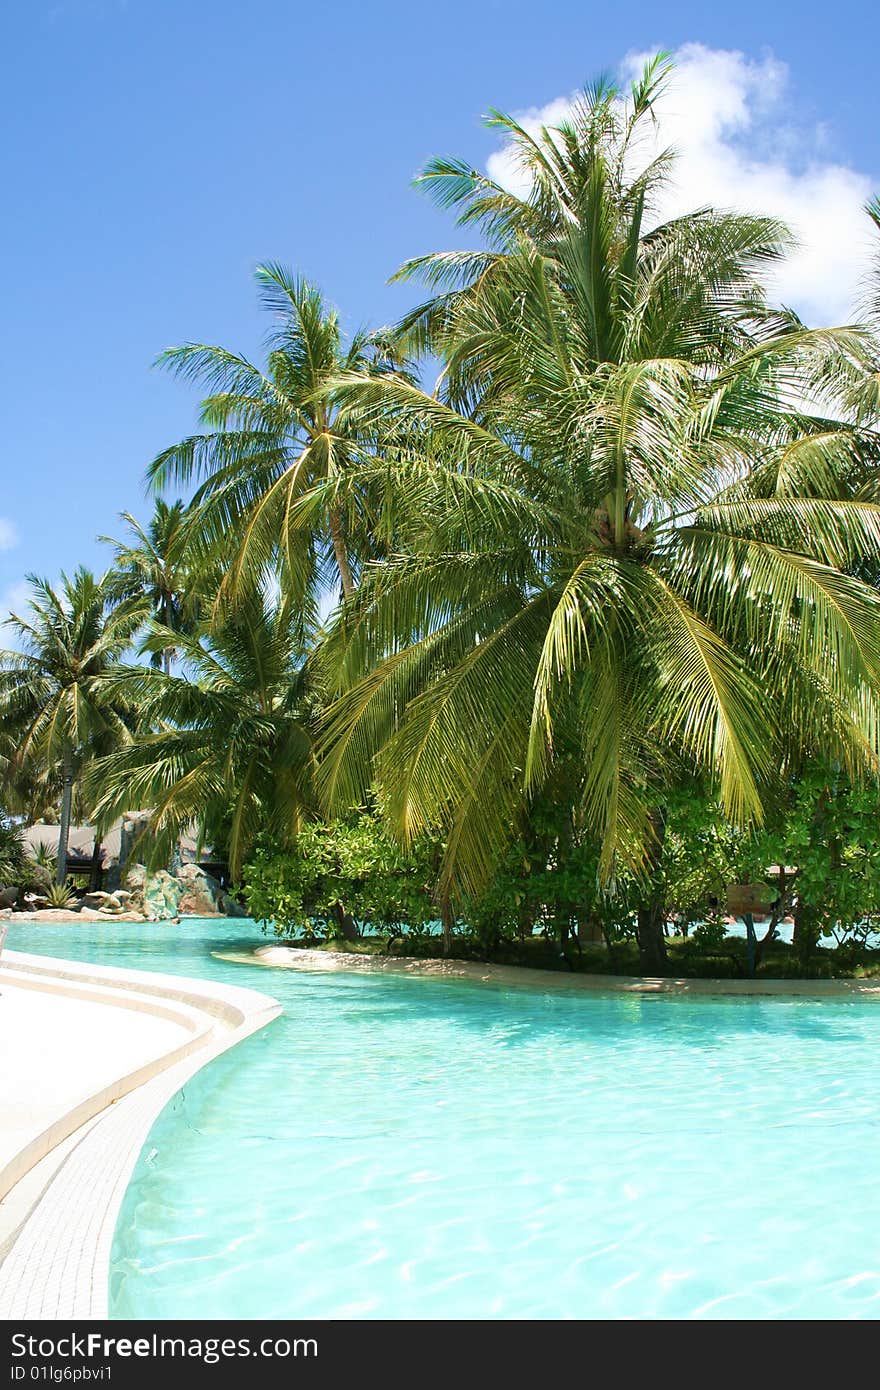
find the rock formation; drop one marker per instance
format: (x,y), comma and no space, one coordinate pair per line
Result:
(190,892)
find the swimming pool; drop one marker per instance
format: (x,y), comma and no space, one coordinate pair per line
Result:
(410,1147)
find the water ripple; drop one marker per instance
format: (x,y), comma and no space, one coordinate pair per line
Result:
(407,1148)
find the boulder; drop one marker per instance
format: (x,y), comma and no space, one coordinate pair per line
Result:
(230,908)
(40,878)
(9,896)
(201,895)
(96,899)
(135,882)
(162,894)
(135,827)
(105,902)
(189,892)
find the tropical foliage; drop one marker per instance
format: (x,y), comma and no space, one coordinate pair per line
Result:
(340,877)
(226,746)
(59,699)
(152,570)
(273,434)
(624,551)
(563,645)
(13,854)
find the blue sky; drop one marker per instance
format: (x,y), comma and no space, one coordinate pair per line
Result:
(154,151)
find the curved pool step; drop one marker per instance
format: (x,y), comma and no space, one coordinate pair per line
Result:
(64,1187)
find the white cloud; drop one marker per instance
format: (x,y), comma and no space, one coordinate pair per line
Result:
(8,534)
(726,116)
(13,599)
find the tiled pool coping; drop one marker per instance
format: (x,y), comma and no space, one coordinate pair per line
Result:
(69,1186)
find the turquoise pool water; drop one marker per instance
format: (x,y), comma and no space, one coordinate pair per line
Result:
(403,1147)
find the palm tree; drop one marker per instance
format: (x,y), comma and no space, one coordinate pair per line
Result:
(871,294)
(153,567)
(864,399)
(583,174)
(229,748)
(24,790)
(56,693)
(626,548)
(272,434)
(13,851)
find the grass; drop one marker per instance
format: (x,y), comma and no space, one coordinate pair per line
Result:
(687,958)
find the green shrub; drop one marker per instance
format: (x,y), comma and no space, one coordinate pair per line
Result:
(352,865)
(710,935)
(14,857)
(45,858)
(60,894)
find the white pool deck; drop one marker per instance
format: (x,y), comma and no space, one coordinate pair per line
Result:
(89,1056)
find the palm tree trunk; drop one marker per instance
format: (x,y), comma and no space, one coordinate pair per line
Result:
(447,922)
(165,614)
(64,827)
(340,550)
(751,943)
(807,929)
(649,934)
(652,913)
(95,871)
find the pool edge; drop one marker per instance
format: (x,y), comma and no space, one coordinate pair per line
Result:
(56,1262)
(273,957)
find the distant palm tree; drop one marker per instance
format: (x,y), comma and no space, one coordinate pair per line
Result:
(626,548)
(865,399)
(24,789)
(55,699)
(13,851)
(273,435)
(153,567)
(871,296)
(229,749)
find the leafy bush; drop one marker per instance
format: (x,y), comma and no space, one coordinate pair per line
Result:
(17,868)
(546,885)
(350,866)
(13,853)
(710,935)
(833,836)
